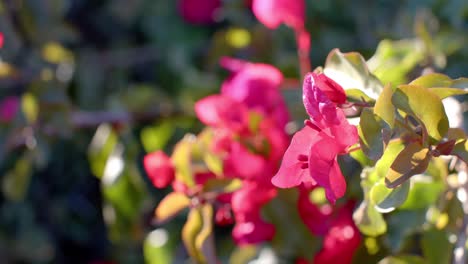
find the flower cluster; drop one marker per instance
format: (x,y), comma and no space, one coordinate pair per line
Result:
(247,121)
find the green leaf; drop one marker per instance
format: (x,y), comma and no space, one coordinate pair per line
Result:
(222,185)
(402,259)
(155,137)
(102,145)
(387,200)
(461,150)
(157,247)
(369,221)
(370,134)
(436,246)
(243,254)
(384,107)
(432,80)
(170,205)
(425,105)
(350,71)
(394,60)
(356,95)
(424,192)
(182,159)
(413,159)
(447,92)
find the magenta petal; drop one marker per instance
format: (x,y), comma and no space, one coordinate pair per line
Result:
(291,172)
(253,231)
(217,110)
(321,161)
(266,12)
(337,182)
(244,164)
(345,134)
(159,168)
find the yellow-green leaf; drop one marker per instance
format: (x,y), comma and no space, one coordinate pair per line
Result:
(369,221)
(413,159)
(433,80)
(182,159)
(170,206)
(384,107)
(190,231)
(387,200)
(425,105)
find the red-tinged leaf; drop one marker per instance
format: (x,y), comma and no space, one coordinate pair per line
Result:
(170,206)
(413,159)
(445,148)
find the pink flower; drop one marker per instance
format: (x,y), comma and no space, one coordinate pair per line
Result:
(199,11)
(312,155)
(159,168)
(222,111)
(316,217)
(1,40)
(342,239)
(272,13)
(256,85)
(332,90)
(8,108)
(250,228)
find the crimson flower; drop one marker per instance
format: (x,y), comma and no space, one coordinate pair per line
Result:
(199,11)
(272,13)
(159,168)
(312,155)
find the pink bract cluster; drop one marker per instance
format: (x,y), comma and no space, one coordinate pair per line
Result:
(199,12)
(9,106)
(312,156)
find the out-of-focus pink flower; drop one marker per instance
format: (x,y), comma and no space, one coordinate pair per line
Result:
(257,86)
(1,40)
(316,217)
(159,168)
(312,155)
(221,111)
(199,11)
(8,108)
(250,228)
(272,13)
(332,90)
(342,239)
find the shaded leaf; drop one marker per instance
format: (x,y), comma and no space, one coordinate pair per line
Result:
(370,134)
(387,200)
(436,246)
(369,221)
(413,159)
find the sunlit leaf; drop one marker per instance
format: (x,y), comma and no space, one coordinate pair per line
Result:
(387,200)
(170,206)
(350,71)
(424,105)
(190,231)
(433,80)
(204,241)
(384,107)
(413,159)
(181,157)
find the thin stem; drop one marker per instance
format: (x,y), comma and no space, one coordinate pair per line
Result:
(303,50)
